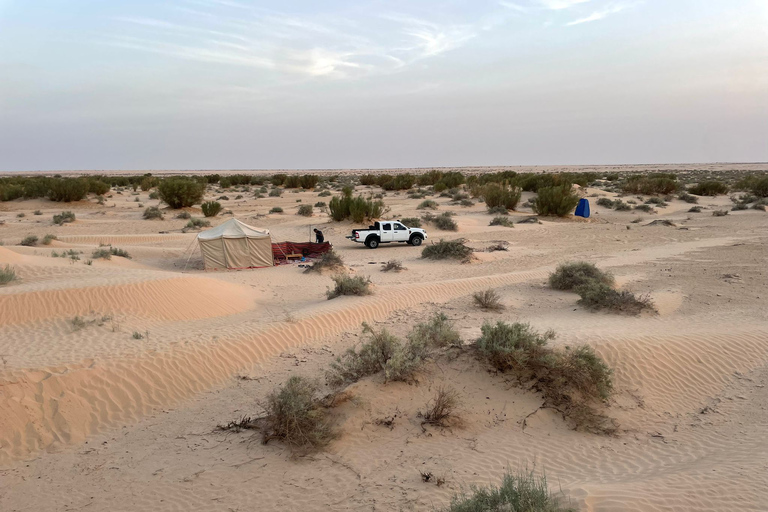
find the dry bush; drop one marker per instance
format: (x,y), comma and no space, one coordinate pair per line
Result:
(304,210)
(393,266)
(524,492)
(441,409)
(370,359)
(488,300)
(500,246)
(29,241)
(597,296)
(720,213)
(502,221)
(349,285)
(445,222)
(428,204)
(447,249)
(295,416)
(569,276)
(47,239)
(330,260)
(153,212)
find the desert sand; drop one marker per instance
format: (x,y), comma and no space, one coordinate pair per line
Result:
(93,417)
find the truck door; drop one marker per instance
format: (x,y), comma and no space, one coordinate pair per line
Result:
(386,232)
(401,233)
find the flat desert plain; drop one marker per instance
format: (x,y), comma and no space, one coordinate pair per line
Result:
(116,373)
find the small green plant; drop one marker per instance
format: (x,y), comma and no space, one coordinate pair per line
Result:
(211,208)
(7,274)
(154,195)
(119,252)
(101,253)
(438,332)
(295,416)
(645,208)
(524,492)
(447,249)
(488,300)
(427,205)
(688,198)
(349,285)
(321,204)
(621,206)
(605,202)
(393,266)
(137,335)
(64,218)
(327,261)
(183,215)
(29,241)
(153,212)
(569,276)
(47,239)
(695,209)
(305,210)
(276,209)
(502,221)
(198,223)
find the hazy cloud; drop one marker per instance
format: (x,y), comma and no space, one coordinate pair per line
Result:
(599,15)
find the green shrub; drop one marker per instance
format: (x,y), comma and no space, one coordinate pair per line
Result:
(406,361)
(327,261)
(599,296)
(198,223)
(513,347)
(183,215)
(7,274)
(47,239)
(295,416)
(605,202)
(101,253)
(447,249)
(438,332)
(558,200)
(29,241)
(64,218)
(759,186)
(502,221)
(501,195)
(371,358)
(498,210)
(276,192)
(651,185)
(154,195)
(308,181)
(361,209)
(320,204)
(621,206)
(428,204)
(695,209)
(411,222)
(119,252)
(181,192)
(524,492)
(709,188)
(211,208)
(444,222)
(349,285)
(305,210)
(153,212)
(645,208)
(276,209)
(688,198)
(68,189)
(569,276)
(324,193)
(488,300)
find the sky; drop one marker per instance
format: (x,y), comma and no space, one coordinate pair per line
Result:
(244,84)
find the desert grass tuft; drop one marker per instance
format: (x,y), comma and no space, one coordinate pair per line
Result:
(441,409)
(568,276)
(447,249)
(7,274)
(349,285)
(597,296)
(393,266)
(502,221)
(488,300)
(330,260)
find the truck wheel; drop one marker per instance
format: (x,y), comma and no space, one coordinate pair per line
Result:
(372,243)
(416,241)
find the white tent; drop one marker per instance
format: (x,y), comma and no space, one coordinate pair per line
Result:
(235,245)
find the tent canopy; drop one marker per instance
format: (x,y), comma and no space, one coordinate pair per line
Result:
(233,228)
(235,244)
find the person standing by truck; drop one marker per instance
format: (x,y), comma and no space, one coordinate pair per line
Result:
(319,238)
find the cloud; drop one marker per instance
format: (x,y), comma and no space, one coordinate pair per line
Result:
(557,5)
(599,15)
(513,6)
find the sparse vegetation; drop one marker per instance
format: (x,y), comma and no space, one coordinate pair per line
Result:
(47,239)
(441,409)
(709,188)
(447,249)
(720,213)
(305,210)
(597,296)
(29,241)
(349,285)
(438,332)
(122,253)
(198,223)
(327,261)
(502,221)
(488,300)
(370,359)
(153,212)
(427,205)
(524,492)
(695,209)
(649,185)
(569,276)
(688,198)
(7,274)
(393,266)
(559,200)
(295,416)
(183,215)
(444,222)
(64,218)
(211,208)
(101,253)
(276,209)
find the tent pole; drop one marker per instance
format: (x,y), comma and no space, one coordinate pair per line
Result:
(190,254)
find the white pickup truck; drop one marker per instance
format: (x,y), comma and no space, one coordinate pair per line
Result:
(387,232)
